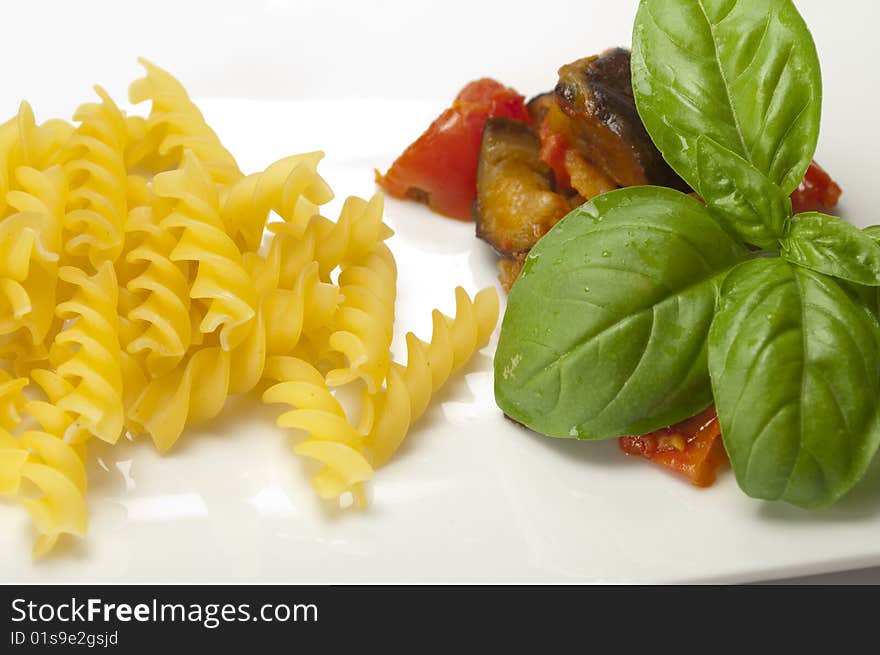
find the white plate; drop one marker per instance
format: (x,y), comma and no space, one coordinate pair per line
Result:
(470,497)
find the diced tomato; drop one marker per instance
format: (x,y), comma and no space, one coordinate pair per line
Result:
(818,192)
(692,448)
(440,167)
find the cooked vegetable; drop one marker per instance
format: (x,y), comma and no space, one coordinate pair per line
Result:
(596,93)
(539,105)
(585,178)
(515,203)
(817,192)
(440,167)
(554,141)
(691,448)
(509,269)
(606,329)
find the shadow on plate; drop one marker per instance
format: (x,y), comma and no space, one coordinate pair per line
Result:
(861,503)
(603,453)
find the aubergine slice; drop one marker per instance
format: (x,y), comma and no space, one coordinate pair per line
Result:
(516,204)
(540,105)
(596,93)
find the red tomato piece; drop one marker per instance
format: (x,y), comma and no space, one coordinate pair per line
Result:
(818,192)
(692,448)
(440,167)
(554,145)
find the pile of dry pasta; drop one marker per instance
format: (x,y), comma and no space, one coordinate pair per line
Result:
(144,278)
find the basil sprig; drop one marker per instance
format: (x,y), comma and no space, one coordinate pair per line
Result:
(794,363)
(643,306)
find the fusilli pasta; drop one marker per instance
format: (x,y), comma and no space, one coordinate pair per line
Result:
(291,187)
(331,438)
(56,468)
(221,279)
(429,365)
(30,251)
(86,359)
(175,125)
(365,322)
(142,282)
(95,166)
(159,307)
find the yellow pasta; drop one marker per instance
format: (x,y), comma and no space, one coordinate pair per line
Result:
(221,279)
(87,357)
(194,390)
(364,325)
(291,187)
(56,468)
(428,367)
(158,307)
(11,399)
(143,281)
(95,166)
(331,438)
(12,459)
(175,125)
(24,143)
(30,248)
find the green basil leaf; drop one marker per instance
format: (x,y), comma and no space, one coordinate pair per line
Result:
(868,298)
(796,376)
(832,246)
(873,231)
(741,196)
(605,329)
(743,72)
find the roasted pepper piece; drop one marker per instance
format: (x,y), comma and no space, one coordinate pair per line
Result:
(440,167)
(692,448)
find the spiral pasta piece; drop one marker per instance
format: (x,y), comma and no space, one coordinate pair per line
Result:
(331,440)
(8,139)
(12,399)
(86,383)
(221,279)
(409,388)
(12,459)
(174,126)
(158,307)
(30,247)
(30,210)
(353,235)
(24,143)
(182,282)
(56,468)
(365,321)
(291,187)
(34,231)
(94,162)
(196,389)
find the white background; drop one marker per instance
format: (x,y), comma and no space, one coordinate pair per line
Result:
(404,54)
(318,49)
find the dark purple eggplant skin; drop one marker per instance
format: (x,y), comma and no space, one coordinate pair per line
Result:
(539,105)
(516,203)
(596,94)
